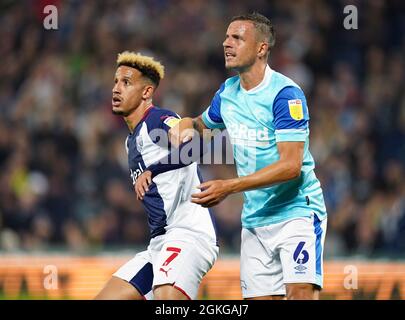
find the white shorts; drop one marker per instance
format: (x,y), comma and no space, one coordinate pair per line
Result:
(286,252)
(168,260)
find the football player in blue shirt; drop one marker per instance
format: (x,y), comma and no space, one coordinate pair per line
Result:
(284,215)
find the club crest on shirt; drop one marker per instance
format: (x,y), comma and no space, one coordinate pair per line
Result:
(296,109)
(139,143)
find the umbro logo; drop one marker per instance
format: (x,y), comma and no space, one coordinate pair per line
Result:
(300,268)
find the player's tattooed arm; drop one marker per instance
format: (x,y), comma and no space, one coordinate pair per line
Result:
(198,125)
(186,129)
(202,129)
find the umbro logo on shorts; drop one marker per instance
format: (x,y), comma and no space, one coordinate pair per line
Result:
(300,268)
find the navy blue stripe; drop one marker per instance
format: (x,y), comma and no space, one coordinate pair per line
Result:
(214,110)
(318,244)
(154,206)
(143,280)
(153,202)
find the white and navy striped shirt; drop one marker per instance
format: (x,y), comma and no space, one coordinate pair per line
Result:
(168,201)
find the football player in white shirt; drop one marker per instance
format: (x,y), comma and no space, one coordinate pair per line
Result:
(183,245)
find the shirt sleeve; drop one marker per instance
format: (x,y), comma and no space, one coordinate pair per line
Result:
(169,121)
(212,116)
(159,125)
(291,115)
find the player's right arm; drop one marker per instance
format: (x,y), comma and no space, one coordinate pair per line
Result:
(210,119)
(186,129)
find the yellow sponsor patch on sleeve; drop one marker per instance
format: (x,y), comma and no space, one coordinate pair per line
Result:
(171,121)
(296,110)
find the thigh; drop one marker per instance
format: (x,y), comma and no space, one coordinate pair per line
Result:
(138,272)
(260,267)
(302,291)
(169,292)
(118,289)
(301,251)
(182,264)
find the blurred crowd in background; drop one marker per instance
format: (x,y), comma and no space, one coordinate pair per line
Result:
(64,179)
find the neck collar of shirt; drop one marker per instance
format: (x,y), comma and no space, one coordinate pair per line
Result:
(266,80)
(145,115)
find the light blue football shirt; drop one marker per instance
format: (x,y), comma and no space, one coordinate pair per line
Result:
(274,111)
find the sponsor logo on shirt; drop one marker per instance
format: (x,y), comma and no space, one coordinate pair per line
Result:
(136,173)
(241,134)
(296,110)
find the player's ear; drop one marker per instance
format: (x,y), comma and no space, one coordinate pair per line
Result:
(263,49)
(148,91)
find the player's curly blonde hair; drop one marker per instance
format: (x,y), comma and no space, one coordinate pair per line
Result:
(149,67)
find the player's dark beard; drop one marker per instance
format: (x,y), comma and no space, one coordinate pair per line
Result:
(118,112)
(121,113)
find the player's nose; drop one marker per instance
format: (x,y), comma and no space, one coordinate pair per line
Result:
(115,88)
(226,43)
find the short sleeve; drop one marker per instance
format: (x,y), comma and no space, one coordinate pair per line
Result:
(169,121)
(291,115)
(212,116)
(159,123)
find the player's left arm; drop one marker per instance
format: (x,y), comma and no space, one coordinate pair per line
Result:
(291,124)
(288,167)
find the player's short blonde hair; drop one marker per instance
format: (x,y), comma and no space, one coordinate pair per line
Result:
(148,66)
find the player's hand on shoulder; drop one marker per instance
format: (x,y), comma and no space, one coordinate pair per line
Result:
(181,132)
(142,184)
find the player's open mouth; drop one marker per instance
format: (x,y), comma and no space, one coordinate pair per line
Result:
(229,55)
(116,101)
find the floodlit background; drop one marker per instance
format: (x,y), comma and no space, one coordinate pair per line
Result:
(66,199)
